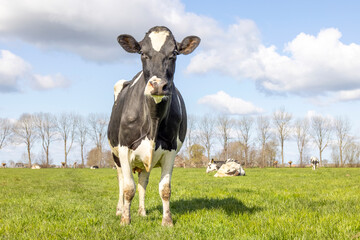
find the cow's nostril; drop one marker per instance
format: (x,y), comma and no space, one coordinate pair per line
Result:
(165,88)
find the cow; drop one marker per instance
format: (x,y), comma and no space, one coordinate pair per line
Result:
(148,121)
(35,166)
(229,169)
(94,167)
(214,165)
(314,162)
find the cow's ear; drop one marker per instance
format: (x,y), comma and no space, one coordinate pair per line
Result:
(188,45)
(128,43)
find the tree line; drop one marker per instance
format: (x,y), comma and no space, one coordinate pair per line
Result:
(255,141)
(68,128)
(259,141)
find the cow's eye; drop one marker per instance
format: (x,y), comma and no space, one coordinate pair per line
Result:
(144,55)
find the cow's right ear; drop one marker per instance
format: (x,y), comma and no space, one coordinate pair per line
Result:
(128,43)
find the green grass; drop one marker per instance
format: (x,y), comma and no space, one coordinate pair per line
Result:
(265,204)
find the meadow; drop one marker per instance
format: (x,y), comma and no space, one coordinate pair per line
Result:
(272,203)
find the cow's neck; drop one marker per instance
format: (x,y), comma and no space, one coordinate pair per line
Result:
(155,112)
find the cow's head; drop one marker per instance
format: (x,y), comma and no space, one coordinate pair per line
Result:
(211,167)
(158,52)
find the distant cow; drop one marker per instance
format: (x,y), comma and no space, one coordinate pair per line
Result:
(94,167)
(3,165)
(148,120)
(230,169)
(214,165)
(314,162)
(35,166)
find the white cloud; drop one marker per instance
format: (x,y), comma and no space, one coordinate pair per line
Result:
(349,95)
(12,70)
(41,82)
(309,66)
(224,103)
(16,73)
(90,29)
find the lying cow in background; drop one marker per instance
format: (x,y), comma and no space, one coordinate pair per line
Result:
(214,165)
(35,166)
(314,162)
(230,168)
(94,167)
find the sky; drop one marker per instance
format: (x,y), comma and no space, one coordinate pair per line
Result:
(254,57)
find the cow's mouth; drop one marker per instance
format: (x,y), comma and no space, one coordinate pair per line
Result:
(159,98)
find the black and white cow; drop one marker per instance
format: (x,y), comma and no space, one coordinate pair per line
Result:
(148,120)
(314,162)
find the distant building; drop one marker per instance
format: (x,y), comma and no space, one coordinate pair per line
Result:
(19,165)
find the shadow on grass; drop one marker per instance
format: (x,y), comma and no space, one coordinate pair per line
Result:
(230,205)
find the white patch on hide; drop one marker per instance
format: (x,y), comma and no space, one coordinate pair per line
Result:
(118,87)
(158,39)
(179,144)
(114,150)
(136,80)
(179,104)
(142,156)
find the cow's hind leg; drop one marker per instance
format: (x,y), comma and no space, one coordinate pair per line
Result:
(143,182)
(165,187)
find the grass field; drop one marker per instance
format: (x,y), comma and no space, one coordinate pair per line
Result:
(265,204)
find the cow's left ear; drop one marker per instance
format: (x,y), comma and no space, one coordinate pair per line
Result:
(129,43)
(188,45)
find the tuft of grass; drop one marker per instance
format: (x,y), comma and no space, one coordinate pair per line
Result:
(289,203)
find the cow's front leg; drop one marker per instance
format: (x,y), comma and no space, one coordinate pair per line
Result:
(165,188)
(143,182)
(120,204)
(128,184)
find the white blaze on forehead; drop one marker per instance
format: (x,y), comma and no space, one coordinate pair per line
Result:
(158,39)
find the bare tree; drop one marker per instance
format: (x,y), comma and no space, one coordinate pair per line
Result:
(342,131)
(207,133)
(82,132)
(66,125)
(46,129)
(98,126)
(321,133)
(225,124)
(5,131)
(352,153)
(190,136)
(282,120)
(302,127)
(244,126)
(25,132)
(264,134)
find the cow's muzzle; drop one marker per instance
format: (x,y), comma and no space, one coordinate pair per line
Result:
(157,88)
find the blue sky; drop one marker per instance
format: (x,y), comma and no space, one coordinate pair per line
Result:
(62,56)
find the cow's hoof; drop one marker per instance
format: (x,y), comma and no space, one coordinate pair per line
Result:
(118,212)
(124,221)
(142,212)
(167,222)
